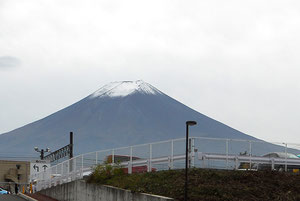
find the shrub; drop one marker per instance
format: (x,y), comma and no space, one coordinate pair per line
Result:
(102,173)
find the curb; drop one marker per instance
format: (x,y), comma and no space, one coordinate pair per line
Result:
(26,197)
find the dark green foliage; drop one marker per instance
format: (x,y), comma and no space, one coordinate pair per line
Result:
(103,173)
(214,185)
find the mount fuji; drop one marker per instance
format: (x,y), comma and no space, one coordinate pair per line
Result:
(118,114)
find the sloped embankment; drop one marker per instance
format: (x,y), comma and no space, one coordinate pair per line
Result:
(212,185)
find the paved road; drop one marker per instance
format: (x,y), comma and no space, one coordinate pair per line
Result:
(11,198)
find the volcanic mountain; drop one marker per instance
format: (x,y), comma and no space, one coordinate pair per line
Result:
(118,114)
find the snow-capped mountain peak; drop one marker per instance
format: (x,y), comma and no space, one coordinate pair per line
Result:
(125,88)
(137,113)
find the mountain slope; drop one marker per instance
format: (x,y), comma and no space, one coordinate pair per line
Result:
(118,114)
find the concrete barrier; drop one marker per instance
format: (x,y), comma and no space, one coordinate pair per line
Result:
(81,191)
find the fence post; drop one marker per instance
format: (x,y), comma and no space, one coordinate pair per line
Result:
(130,165)
(250,154)
(68,171)
(74,168)
(172,154)
(193,153)
(62,172)
(150,157)
(113,156)
(46,172)
(96,158)
(55,181)
(236,163)
(285,165)
(227,154)
(189,152)
(82,166)
(70,164)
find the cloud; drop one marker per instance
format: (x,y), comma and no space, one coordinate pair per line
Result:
(8,62)
(240,56)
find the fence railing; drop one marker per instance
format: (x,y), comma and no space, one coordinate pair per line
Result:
(203,153)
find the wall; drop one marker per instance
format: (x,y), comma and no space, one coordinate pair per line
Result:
(9,171)
(81,191)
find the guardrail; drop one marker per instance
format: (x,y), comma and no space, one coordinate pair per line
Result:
(203,153)
(251,161)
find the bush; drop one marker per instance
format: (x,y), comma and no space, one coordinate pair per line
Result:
(206,185)
(102,173)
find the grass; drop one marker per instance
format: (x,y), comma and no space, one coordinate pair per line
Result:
(207,185)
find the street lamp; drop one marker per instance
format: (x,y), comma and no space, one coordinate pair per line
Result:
(42,151)
(188,123)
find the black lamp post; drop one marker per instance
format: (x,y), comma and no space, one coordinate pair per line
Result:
(42,151)
(188,123)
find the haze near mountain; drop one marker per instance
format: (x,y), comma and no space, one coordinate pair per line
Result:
(118,114)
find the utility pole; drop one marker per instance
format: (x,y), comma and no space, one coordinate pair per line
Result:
(67,150)
(42,154)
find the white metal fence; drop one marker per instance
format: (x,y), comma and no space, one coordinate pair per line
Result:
(203,153)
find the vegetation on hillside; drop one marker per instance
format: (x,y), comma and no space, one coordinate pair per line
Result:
(207,185)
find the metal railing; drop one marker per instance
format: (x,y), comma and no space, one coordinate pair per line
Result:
(203,153)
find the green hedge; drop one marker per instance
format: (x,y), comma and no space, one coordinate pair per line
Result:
(206,184)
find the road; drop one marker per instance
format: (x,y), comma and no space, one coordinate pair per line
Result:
(11,198)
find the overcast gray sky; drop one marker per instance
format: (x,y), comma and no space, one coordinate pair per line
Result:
(236,61)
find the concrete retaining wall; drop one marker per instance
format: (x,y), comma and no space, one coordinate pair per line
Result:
(81,191)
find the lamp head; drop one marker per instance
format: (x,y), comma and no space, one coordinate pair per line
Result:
(191,123)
